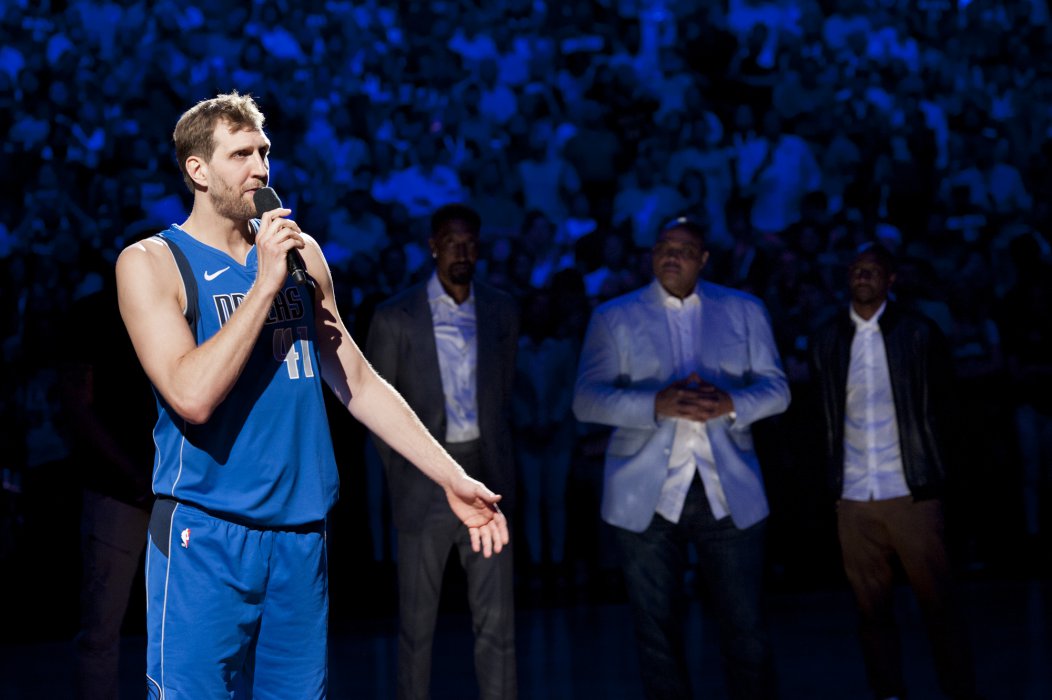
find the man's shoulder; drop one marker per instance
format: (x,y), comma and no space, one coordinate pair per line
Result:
(151,252)
(496,296)
(719,293)
(405,298)
(907,318)
(642,296)
(835,324)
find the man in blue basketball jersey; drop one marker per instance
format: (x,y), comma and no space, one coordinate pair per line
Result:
(237,600)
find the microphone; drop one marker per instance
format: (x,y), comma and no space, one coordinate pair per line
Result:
(265,200)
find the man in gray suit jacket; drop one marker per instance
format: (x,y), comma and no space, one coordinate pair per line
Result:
(448,346)
(681,369)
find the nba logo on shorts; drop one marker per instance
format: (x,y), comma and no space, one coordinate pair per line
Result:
(185,537)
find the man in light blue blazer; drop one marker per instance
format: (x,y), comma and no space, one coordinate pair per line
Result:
(681,369)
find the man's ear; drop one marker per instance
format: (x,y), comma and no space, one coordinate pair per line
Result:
(197,169)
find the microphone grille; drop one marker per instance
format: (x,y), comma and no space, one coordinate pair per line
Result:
(265,199)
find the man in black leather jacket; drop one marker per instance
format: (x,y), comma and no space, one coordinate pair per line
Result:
(883,377)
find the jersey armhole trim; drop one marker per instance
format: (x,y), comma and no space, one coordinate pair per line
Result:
(186,274)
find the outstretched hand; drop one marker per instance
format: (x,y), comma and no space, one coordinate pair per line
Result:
(476,506)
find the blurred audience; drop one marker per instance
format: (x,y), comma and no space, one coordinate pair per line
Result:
(795,129)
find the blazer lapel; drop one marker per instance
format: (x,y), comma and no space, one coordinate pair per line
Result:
(423,361)
(654,338)
(711,329)
(487,330)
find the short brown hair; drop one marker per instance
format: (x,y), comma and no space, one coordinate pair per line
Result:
(193,132)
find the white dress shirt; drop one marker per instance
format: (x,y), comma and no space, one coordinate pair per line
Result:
(691,449)
(457,344)
(872,456)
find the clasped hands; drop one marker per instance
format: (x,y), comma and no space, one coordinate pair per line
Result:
(693,399)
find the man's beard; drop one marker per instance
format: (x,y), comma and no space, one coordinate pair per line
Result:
(461,273)
(231,205)
(864,295)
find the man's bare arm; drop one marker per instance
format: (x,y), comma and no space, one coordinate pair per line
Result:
(380,408)
(194,379)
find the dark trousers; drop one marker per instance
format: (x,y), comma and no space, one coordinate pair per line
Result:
(113,538)
(422,556)
(872,535)
(731,567)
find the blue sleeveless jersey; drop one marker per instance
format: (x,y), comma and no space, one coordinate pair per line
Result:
(265,456)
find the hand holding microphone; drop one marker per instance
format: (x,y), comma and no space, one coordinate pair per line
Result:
(266,199)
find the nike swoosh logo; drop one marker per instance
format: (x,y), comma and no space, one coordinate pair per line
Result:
(209,276)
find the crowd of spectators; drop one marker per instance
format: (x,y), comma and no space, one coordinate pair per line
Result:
(793,129)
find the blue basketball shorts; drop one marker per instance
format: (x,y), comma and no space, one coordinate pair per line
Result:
(232,610)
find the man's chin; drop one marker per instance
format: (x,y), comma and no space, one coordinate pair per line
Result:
(238,209)
(462,275)
(671,280)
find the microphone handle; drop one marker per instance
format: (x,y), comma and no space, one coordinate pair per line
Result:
(266,199)
(296,267)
